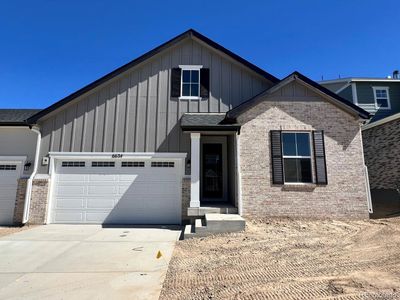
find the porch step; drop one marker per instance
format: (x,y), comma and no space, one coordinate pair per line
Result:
(202,211)
(215,223)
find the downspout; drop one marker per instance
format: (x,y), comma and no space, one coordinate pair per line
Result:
(28,193)
(367,185)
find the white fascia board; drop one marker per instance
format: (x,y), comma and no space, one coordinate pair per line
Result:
(358,79)
(125,155)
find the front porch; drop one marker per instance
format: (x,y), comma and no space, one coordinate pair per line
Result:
(213,165)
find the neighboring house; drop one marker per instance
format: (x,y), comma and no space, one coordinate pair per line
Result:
(17,154)
(379,96)
(382,147)
(190,128)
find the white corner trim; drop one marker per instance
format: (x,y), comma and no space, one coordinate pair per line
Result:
(386,88)
(195,169)
(238,175)
(354,93)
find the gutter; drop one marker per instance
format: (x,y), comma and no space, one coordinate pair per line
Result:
(28,193)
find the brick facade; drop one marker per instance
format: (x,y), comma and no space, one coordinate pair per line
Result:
(39,201)
(381,151)
(20,201)
(185,197)
(345,194)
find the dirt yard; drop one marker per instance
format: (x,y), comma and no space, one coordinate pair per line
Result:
(290,259)
(5,230)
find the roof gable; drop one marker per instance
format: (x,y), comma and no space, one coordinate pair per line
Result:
(317,88)
(187,34)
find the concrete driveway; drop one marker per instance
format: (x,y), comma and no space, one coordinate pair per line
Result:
(85,262)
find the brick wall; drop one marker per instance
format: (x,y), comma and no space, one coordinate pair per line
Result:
(185,197)
(343,197)
(381,151)
(38,207)
(20,201)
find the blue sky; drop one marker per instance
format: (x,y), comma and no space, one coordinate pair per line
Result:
(49,49)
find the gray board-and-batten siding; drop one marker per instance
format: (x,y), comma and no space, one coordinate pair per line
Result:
(134,112)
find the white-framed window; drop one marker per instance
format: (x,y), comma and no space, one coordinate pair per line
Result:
(190,82)
(381,97)
(296,153)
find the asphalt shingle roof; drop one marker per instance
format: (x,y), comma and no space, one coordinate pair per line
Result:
(16,115)
(205,120)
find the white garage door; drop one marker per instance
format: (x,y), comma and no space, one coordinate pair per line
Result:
(9,175)
(116,192)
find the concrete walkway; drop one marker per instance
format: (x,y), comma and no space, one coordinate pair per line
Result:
(85,262)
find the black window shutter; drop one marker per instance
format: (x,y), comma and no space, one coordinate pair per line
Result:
(176,82)
(276,154)
(319,157)
(204,83)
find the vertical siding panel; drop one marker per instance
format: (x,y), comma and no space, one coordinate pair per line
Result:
(120,123)
(235,85)
(78,125)
(89,125)
(161,143)
(257,87)
(152,107)
(67,135)
(186,53)
(47,130)
(215,77)
(246,86)
(131,114)
(110,118)
(184,141)
(225,86)
(173,130)
(206,62)
(100,120)
(196,54)
(58,131)
(142,110)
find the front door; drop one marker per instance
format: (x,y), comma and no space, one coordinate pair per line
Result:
(214,169)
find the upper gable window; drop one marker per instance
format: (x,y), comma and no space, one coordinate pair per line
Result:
(381,96)
(190,83)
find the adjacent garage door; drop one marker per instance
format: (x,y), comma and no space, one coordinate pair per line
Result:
(9,174)
(116,192)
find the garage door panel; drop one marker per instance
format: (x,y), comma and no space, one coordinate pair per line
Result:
(97,189)
(69,216)
(70,190)
(117,195)
(100,203)
(70,203)
(8,190)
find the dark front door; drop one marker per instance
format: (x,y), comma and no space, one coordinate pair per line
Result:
(212,171)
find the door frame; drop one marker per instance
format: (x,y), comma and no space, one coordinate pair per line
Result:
(222,139)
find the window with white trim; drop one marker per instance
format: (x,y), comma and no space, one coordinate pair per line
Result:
(381,97)
(296,153)
(190,83)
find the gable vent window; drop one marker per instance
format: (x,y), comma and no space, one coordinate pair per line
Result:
(103,164)
(162,164)
(8,167)
(78,164)
(381,96)
(190,82)
(138,164)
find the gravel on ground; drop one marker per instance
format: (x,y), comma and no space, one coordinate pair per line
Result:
(290,259)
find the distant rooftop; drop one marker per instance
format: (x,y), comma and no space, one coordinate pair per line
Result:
(354,79)
(16,116)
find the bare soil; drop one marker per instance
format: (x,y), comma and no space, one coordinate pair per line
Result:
(6,230)
(290,259)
